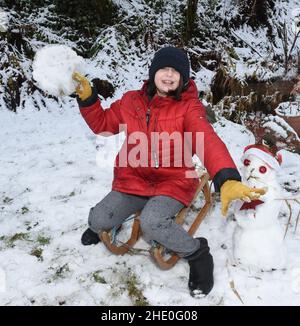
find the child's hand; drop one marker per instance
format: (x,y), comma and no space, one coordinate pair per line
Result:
(233,189)
(83,90)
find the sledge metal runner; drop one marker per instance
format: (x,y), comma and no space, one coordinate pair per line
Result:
(158,252)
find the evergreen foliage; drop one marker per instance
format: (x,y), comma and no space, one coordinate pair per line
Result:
(255,13)
(87,14)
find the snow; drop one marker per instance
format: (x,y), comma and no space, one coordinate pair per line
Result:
(53,67)
(296,20)
(3,21)
(288,109)
(203,78)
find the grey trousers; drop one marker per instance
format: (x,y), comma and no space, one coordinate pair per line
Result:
(156,219)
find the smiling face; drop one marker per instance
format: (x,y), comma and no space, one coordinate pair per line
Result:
(166,80)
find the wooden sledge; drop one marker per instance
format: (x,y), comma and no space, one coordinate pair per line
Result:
(158,251)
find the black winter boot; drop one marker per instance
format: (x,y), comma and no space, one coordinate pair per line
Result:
(89,237)
(201,279)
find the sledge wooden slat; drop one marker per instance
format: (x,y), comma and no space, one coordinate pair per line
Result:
(181,216)
(159,259)
(204,187)
(121,250)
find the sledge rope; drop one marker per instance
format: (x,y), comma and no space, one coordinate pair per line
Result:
(115,229)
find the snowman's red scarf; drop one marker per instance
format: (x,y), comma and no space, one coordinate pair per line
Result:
(252,204)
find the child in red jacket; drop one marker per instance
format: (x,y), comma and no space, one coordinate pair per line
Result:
(166,104)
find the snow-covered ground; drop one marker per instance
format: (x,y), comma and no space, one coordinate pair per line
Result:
(50,178)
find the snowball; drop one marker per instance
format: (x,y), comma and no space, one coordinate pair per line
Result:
(53,67)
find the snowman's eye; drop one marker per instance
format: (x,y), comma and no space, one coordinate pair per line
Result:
(262,169)
(246,162)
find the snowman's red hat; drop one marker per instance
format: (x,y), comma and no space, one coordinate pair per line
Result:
(274,160)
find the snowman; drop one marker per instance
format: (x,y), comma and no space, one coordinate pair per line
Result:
(258,236)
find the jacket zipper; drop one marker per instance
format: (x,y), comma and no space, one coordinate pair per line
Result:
(155,157)
(148,116)
(154,150)
(155,160)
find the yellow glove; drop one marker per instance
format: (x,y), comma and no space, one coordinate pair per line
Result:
(84,89)
(232,189)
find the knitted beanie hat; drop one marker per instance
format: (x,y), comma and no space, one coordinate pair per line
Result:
(171,57)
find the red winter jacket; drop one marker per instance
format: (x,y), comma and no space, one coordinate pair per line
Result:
(161,114)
